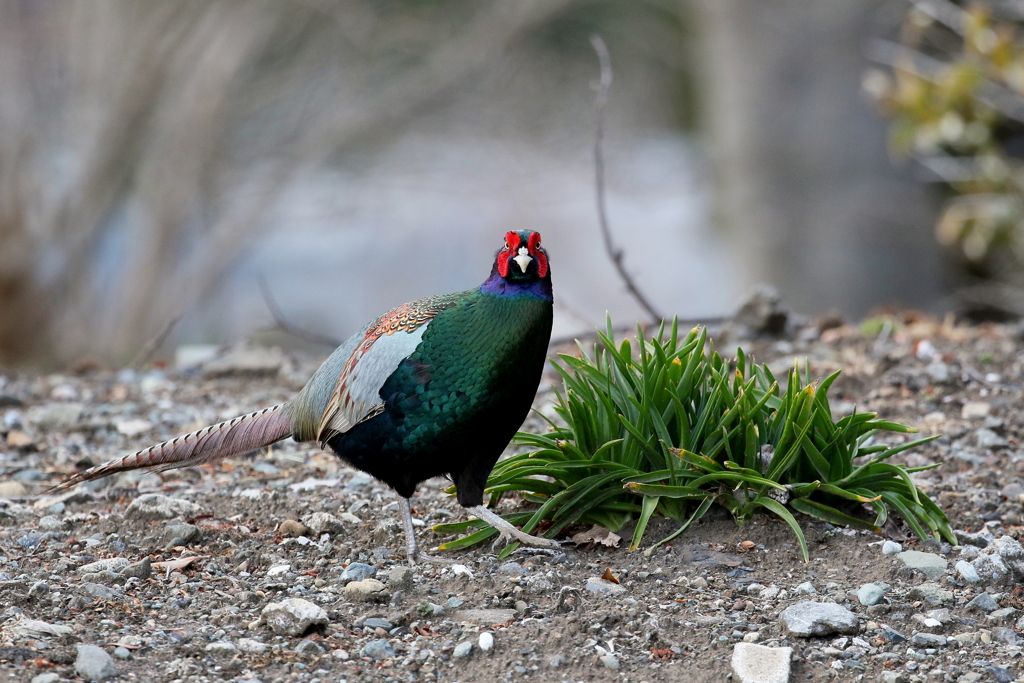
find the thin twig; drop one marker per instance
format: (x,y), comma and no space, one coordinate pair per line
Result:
(154,343)
(614,253)
(285,326)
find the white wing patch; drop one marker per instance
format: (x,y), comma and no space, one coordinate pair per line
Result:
(357,395)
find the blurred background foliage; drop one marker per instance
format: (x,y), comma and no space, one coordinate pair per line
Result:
(955,98)
(157,160)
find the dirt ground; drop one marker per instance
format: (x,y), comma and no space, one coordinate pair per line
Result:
(676,614)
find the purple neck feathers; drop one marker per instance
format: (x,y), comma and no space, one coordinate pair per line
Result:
(499,286)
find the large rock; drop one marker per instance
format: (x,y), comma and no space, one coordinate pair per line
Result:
(94,664)
(818,619)
(153,506)
(294,617)
(761,664)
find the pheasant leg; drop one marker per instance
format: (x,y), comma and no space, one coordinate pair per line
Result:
(509,533)
(412,548)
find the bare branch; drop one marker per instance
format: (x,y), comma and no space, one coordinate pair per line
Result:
(284,325)
(614,253)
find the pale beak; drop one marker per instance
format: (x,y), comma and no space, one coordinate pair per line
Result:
(524,258)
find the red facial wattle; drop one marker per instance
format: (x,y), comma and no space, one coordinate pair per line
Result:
(513,242)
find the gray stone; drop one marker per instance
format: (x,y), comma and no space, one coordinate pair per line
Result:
(94,664)
(556,661)
(367,590)
(246,361)
(806,588)
(97,590)
(309,648)
(107,577)
(46,678)
(222,647)
(153,506)
(484,617)
(892,677)
(930,592)
(931,565)
(992,569)
(604,587)
(357,571)
(818,619)
(1005,635)
(182,533)
(122,652)
(114,564)
(51,523)
(377,622)
(320,523)
(891,548)
(928,640)
(1007,548)
(463,650)
(969,552)
(378,650)
(140,570)
(610,661)
(983,602)
(400,577)
(870,594)
(1000,675)
(760,663)
(251,645)
(1001,616)
(967,572)
(293,617)
(513,569)
(61,417)
(453,603)
(986,438)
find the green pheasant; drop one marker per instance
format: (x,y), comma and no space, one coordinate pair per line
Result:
(435,387)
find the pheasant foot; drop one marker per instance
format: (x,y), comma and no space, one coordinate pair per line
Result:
(509,533)
(412,548)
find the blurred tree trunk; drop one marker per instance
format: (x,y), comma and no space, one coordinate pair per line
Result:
(804,186)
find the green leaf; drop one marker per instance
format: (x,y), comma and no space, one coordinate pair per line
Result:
(777,507)
(650,504)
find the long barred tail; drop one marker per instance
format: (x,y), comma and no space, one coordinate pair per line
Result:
(238,435)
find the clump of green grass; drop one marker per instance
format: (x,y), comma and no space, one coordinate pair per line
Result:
(673,429)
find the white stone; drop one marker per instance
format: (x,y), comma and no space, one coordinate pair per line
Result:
(152,506)
(94,664)
(891,548)
(486,641)
(252,646)
(293,616)
(761,664)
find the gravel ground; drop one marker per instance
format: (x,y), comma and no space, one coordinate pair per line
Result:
(288,565)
